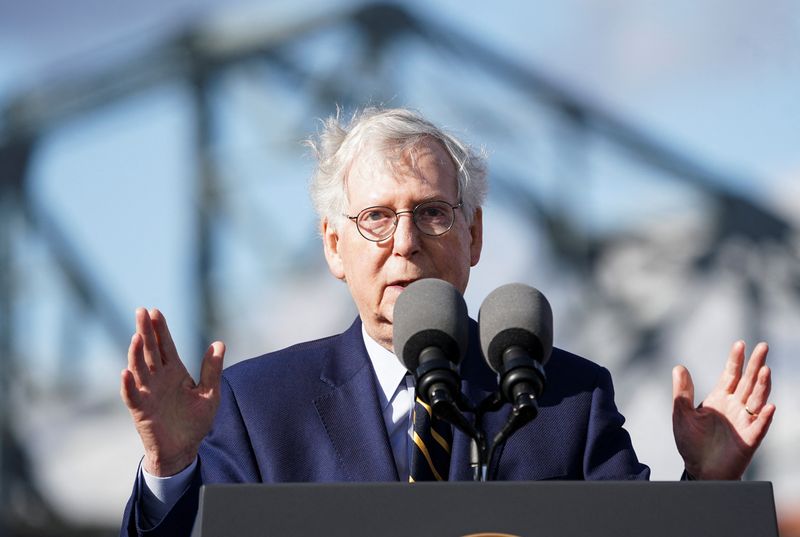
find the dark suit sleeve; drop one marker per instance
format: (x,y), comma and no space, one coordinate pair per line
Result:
(225,457)
(178,522)
(609,453)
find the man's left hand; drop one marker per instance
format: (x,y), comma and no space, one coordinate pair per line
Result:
(717,440)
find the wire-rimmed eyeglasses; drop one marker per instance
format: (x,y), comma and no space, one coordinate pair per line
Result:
(432,218)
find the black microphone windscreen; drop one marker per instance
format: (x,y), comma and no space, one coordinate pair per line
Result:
(515,315)
(430,313)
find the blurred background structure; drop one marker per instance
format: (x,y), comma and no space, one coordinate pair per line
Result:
(644,167)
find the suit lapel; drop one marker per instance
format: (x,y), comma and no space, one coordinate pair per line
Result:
(352,417)
(351,413)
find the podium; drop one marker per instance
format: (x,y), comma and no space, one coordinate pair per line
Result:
(523,509)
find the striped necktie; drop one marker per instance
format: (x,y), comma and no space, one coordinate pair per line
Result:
(430,449)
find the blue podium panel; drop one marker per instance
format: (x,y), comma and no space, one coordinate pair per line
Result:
(524,509)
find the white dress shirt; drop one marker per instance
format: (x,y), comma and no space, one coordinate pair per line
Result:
(396,396)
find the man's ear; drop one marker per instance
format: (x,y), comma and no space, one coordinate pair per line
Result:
(330,242)
(476,232)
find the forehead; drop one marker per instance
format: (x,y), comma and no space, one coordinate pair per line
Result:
(421,171)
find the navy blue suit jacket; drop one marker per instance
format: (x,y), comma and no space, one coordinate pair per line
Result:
(311,413)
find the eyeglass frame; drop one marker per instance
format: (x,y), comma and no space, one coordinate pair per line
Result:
(397,214)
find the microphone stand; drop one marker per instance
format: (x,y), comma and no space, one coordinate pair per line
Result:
(519,386)
(452,411)
(443,406)
(437,383)
(479,459)
(522,412)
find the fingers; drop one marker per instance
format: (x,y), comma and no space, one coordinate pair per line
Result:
(765,417)
(136,362)
(762,422)
(211,369)
(128,390)
(144,328)
(682,387)
(732,373)
(749,380)
(165,343)
(152,347)
(758,398)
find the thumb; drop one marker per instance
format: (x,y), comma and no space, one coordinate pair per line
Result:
(682,389)
(211,369)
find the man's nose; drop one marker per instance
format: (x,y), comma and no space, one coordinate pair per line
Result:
(406,236)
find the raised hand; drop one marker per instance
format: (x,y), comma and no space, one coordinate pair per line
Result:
(171,412)
(718,440)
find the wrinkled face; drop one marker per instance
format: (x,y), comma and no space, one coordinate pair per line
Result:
(377,272)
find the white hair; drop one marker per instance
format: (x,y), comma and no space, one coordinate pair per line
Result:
(337,145)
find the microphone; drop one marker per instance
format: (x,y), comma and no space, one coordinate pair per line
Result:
(430,336)
(516,332)
(430,339)
(515,324)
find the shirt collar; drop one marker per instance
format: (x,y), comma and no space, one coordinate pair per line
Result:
(389,372)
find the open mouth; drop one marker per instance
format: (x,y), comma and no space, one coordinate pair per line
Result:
(401,283)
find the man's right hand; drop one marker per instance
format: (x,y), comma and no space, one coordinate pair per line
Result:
(171,412)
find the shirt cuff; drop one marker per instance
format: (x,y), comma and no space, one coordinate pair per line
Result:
(160,494)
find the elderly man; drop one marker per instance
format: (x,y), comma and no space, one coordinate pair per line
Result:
(398,200)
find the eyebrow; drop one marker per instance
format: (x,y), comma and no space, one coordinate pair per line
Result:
(414,203)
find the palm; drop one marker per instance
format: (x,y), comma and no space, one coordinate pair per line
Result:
(171,412)
(718,439)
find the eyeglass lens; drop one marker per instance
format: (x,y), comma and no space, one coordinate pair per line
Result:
(431,218)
